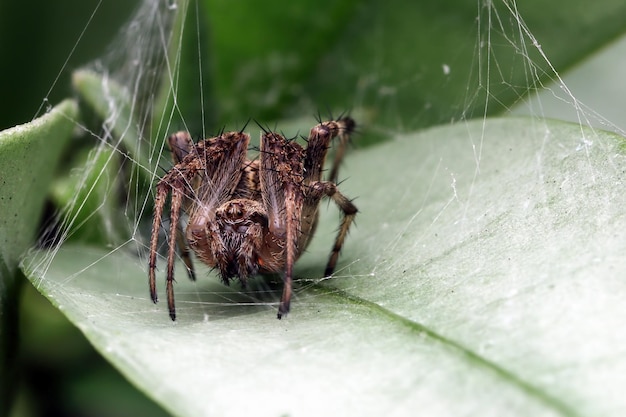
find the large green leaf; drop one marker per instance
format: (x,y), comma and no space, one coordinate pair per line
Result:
(485,277)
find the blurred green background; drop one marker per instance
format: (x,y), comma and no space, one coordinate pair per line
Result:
(36,39)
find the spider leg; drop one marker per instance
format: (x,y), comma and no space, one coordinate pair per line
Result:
(177,199)
(185,253)
(348,210)
(346,127)
(181,145)
(294,202)
(175,182)
(319,141)
(159,201)
(204,177)
(281,177)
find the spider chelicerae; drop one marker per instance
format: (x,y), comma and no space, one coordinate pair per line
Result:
(248,216)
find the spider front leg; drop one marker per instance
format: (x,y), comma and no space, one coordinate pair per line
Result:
(346,127)
(293,205)
(159,202)
(204,178)
(163,188)
(181,145)
(281,177)
(318,144)
(177,200)
(177,182)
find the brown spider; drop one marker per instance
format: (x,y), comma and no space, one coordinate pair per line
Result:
(248,216)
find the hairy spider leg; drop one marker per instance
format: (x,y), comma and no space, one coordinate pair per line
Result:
(346,127)
(349,211)
(163,189)
(226,154)
(294,211)
(177,199)
(319,142)
(159,202)
(181,144)
(281,176)
(185,253)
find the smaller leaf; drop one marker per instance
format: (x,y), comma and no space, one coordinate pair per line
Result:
(112,103)
(88,195)
(29,154)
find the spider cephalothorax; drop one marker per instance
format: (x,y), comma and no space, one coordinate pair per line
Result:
(248,216)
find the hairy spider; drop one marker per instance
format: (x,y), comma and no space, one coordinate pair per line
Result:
(248,216)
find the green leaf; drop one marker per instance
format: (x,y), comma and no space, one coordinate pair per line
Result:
(485,277)
(112,103)
(28,156)
(105,174)
(89,197)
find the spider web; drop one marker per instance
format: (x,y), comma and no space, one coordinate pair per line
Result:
(139,77)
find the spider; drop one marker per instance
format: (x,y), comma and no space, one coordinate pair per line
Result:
(248,217)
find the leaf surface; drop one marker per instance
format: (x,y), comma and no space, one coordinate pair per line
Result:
(484,277)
